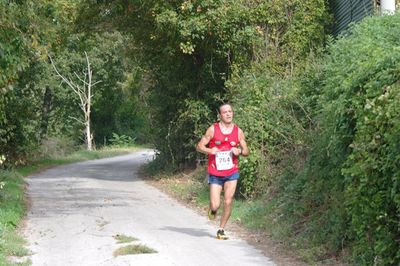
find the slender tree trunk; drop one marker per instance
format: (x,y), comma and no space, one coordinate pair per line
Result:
(89,135)
(47,99)
(88,132)
(84,92)
(89,138)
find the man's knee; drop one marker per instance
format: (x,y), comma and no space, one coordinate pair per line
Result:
(228,201)
(214,205)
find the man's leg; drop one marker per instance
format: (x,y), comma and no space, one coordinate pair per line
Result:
(215,197)
(229,192)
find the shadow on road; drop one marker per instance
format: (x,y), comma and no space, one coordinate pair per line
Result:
(189,231)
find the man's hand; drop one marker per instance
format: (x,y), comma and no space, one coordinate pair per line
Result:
(214,150)
(236,151)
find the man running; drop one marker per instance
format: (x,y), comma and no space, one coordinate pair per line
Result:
(223,142)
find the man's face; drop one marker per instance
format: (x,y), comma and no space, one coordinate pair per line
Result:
(226,113)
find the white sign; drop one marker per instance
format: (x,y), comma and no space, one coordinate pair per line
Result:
(224,160)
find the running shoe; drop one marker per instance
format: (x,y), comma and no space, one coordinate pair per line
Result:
(212,215)
(221,235)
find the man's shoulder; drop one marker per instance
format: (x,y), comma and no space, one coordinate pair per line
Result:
(213,126)
(235,125)
(210,129)
(240,131)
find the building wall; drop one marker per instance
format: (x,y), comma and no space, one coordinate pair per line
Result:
(348,11)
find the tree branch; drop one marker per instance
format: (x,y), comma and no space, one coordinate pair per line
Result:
(76,119)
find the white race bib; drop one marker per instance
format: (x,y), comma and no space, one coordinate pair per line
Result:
(223,160)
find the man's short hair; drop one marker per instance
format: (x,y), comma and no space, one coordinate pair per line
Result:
(223,104)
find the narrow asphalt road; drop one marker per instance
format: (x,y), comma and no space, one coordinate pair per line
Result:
(76,210)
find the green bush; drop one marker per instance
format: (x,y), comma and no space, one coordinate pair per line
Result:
(56,147)
(121,140)
(348,194)
(361,102)
(270,112)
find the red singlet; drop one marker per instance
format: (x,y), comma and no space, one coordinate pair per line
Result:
(224,142)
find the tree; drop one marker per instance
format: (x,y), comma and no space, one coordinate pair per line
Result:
(85,94)
(205,41)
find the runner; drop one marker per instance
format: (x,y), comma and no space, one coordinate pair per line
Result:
(223,142)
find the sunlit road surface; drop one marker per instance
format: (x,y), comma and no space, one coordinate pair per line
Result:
(76,210)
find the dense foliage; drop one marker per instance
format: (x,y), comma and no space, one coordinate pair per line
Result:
(347,195)
(193,47)
(36,109)
(17,38)
(361,108)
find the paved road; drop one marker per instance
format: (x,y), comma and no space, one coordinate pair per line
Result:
(76,210)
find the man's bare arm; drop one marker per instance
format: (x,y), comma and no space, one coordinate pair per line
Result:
(243,144)
(202,145)
(243,150)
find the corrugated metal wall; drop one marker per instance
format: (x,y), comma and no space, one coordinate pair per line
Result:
(347,11)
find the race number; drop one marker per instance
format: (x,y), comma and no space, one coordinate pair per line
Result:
(224,160)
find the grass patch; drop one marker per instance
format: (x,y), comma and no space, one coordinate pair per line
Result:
(12,209)
(260,215)
(190,191)
(130,249)
(121,239)
(190,188)
(14,244)
(133,249)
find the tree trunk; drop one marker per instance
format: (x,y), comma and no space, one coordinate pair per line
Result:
(84,92)
(47,99)
(89,137)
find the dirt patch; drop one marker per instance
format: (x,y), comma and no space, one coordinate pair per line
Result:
(260,240)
